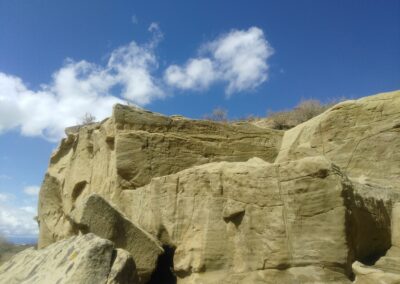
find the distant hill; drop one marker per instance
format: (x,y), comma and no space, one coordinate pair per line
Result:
(7,249)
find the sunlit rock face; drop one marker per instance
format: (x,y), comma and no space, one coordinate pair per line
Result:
(80,259)
(235,203)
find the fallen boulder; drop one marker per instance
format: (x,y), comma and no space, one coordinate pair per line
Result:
(81,259)
(95,215)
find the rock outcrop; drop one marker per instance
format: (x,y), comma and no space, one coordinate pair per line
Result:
(96,215)
(81,259)
(387,269)
(204,202)
(127,150)
(249,222)
(360,136)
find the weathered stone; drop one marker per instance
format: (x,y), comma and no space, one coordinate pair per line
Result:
(360,136)
(53,223)
(127,150)
(96,215)
(123,269)
(249,220)
(325,203)
(81,259)
(387,268)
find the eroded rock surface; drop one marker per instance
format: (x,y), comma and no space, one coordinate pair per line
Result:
(249,221)
(224,209)
(81,259)
(387,269)
(361,136)
(96,215)
(127,150)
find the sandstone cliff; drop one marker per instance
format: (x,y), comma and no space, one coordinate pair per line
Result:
(222,203)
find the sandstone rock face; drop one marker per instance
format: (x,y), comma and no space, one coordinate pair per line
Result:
(129,149)
(223,208)
(123,269)
(81,259)
(97,216)
(387,269)
(249,222)
(359,136)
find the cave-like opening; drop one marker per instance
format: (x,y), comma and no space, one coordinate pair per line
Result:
(164,272)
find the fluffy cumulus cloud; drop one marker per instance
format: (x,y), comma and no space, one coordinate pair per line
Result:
(17,215)
(238,58)
(17,221)
(197,74)
(78,88)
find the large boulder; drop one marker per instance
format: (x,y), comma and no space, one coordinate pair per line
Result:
(96,215)
(250,222)
(361,136)
(127,150)
(81,259)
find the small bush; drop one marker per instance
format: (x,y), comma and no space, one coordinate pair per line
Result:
(282,120)
(308,109)
(304,111)
(218,114)
(88,118)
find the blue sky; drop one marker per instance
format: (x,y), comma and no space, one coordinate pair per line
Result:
(60,59)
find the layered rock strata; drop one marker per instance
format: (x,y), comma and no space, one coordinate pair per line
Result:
(236,203)
(127,150)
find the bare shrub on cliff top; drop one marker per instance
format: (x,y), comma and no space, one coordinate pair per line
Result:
(88,118)
(218,114)
(304,111)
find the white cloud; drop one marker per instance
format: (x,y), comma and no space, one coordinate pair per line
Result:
(134,19)
(238,58)
(2,176)
(154,28)
(32,190)
(78,88)
(18,221)
(197,74)
(3,197)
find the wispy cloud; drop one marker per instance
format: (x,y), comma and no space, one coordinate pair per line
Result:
(4,197)
(32,190)
(5,177)
(238,58)
(17,214)
(80,87)
(17,221)
(134,19)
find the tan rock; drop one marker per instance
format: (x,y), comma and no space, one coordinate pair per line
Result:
(359,136)
(387,269)
(249,220)
(96,215)
(127,150)
(123,269)
(325,203)
(396,225)
(81,259)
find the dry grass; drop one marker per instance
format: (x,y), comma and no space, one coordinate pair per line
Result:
(304,111)
(282,120)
